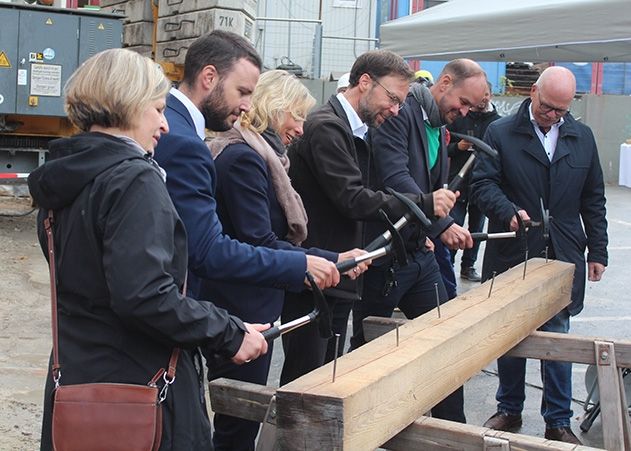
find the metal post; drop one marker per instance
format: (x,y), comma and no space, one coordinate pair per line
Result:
(317,51)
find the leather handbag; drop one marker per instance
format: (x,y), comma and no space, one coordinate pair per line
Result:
(104,416)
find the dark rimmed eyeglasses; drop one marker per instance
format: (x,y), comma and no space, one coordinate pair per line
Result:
(545,108)
(394,100)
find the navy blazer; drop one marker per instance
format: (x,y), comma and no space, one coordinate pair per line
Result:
(250,212)
(212,254)
(401,160)
(571,186)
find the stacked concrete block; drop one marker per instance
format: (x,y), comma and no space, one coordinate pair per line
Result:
(138,23)
(180,22)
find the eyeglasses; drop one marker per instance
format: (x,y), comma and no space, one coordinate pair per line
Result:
(545,108)
(394,100)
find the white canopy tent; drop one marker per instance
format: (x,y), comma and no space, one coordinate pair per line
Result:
(515,30)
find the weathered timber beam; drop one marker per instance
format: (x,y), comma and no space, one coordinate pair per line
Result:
(382,388)
(433,434)
(425,433)
(538,345)
(240,399)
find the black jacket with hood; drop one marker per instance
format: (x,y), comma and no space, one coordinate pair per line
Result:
(121,257)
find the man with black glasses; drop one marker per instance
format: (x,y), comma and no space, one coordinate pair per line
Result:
(329,169)
(544,154)
(410,155)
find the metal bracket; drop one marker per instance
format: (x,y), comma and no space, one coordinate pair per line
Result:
(267,438)
(495,443)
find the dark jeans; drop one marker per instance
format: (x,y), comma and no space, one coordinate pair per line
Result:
(556,378)
(414,294)
(304,348)
(231,433)
(446,265)
(476,224)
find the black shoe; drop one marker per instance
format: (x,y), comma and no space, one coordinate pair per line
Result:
(470,274)
(564,434)
(501,421)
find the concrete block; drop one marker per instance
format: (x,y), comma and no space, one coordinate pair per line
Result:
(138,33)
(144,50)
(173,7)
(195,24)
(134,10)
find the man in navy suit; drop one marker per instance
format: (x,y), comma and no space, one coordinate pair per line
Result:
(221,70)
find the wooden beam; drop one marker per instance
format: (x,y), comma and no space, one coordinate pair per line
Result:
(381,388)
(614,412)
(240,399)
(538,345)
(433,434)
(425,433)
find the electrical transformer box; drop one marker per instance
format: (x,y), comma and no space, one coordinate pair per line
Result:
(40,47)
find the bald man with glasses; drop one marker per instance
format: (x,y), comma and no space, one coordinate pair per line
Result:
(544,154)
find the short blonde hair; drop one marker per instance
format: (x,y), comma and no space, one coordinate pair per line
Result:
(111,88)
(277,92)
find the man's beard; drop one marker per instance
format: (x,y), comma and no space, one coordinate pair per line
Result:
(215,111)
(368,116)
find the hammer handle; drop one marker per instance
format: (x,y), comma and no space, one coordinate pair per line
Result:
(492,236)
(274,332)
(351,263)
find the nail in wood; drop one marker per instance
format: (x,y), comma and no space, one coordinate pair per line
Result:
(437,299)
(397,335)
(492,282)
(337,345)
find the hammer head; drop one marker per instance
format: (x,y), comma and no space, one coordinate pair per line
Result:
(521,231)
(544,224)
(545,220)
(396,246)
(321,309)
(414,209)
(480,145)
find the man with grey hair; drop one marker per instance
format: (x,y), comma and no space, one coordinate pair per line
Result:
(410,155)
(545,154)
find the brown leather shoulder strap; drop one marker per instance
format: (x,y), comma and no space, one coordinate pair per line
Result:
(56,368)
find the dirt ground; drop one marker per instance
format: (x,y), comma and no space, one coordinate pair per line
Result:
(24,327)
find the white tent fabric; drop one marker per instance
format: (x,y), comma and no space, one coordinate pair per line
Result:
(515,30)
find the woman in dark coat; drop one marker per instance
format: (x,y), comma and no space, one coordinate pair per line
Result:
(257,204)
(121,251)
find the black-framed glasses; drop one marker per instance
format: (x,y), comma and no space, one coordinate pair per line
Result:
(545,108)
(394,100)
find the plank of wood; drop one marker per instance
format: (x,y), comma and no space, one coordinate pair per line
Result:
(381,388)
(612,410)
(425,433)
(538,345)
(239,399)
(433,434)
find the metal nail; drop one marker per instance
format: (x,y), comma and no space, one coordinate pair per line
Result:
(492,282)
(397,335)
(525,264)
(337,345)
(546,254)
(437,298)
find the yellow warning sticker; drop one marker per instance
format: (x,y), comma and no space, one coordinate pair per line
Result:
(101,27)
(49,21)
(4,60)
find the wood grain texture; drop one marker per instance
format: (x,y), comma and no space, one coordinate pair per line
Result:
(380,388)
